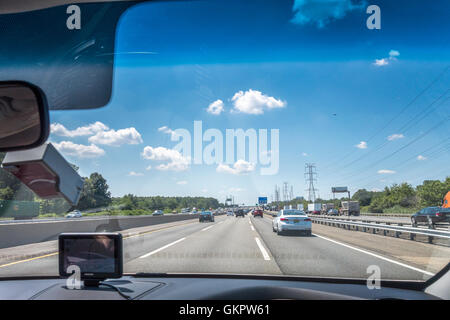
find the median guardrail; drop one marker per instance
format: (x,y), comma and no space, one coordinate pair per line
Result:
(15,234)
(385,228)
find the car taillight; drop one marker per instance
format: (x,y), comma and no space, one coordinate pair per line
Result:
(284,219)
(439,214)
(307,219)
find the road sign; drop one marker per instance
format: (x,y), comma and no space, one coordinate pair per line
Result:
(339,189)
(262,200)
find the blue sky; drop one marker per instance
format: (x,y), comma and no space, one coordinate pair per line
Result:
(289,67)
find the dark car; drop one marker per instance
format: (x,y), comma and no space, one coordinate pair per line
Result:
(206,216)
(258,213)
(239,213)
(431,216)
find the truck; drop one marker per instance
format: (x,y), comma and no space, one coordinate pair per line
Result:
(326,207)
(350,208)
(314,208)
(300,206)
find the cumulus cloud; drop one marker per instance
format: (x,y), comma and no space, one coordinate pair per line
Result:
(255,102)
(148,168)
(174,159)
(395,136)
(393,54)
(167,130)
(79,150)
(362,145)
(135,174)
(381,62)
(117,138)
(60,130)
(239,167)
(421,157)
(386,171)
(216,107)
(304,154)
(322,12)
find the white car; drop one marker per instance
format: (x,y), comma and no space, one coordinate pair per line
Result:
(229,213)
(74,214)
(291,220)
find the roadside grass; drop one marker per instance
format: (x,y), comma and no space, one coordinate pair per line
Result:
(393,210)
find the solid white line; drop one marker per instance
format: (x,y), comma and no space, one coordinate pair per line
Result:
(252,228)
(376,255)
(261,248)
(207,228)
(162,248)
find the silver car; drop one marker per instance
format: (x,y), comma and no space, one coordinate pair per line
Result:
(74,214)
(291,220)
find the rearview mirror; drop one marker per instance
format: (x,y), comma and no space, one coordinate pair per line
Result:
(24,120)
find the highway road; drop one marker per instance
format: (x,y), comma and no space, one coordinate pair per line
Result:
(248,246)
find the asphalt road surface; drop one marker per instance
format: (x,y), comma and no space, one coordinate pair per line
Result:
(248,246)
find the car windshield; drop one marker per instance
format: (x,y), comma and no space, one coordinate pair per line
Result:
(168,108)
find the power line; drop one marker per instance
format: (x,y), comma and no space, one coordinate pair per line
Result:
(407,125)
(395,117)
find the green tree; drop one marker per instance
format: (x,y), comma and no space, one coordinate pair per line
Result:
(432,192)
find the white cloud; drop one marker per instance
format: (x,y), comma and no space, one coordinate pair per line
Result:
(323,12)
(79,150)
(393,54)
(381,62)
(395,136)
(59,130)
(216,107)
(167,130)
(362,145)
(255,102)
(117,138)
(386,171)
(175,161)
(421,157)
(232,190)
(135,174)
(304,154)
(239,167)
(182,182)
(148,168)
(204,190)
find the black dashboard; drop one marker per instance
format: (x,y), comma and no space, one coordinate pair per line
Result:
(188,287)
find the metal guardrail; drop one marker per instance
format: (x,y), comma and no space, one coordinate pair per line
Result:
(398,230)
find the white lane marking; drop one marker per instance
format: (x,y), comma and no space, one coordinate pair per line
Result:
(262,249)
(204,229)
(252,228)
(376,255)
(162,248)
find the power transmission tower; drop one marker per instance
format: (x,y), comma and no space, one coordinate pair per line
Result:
(310,178)
(277,194)
(285,191)
(291,193)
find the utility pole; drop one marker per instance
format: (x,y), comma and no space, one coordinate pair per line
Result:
(310,178)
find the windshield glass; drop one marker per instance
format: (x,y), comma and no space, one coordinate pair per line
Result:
(234,106)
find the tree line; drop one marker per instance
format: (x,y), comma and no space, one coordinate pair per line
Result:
(398,197)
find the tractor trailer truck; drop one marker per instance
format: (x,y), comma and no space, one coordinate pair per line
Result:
(350,208)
